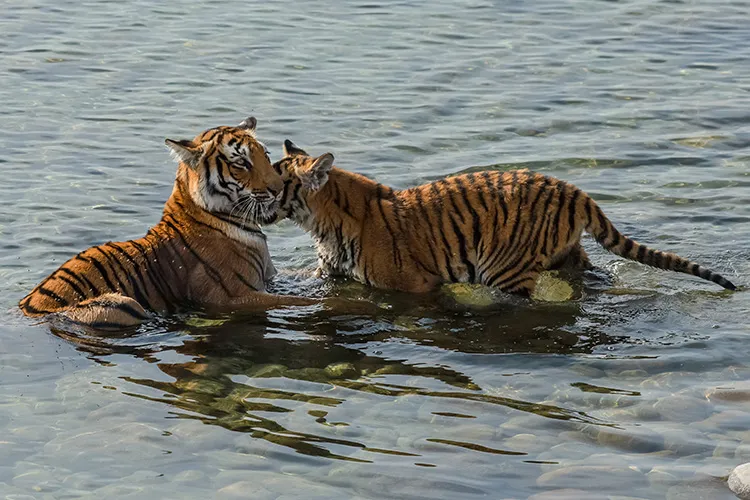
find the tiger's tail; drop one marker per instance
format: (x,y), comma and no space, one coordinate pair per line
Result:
(600,227)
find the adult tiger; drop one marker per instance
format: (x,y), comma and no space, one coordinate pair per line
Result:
(495,228)
(206,251)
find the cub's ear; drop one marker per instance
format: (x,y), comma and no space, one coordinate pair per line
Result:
(185,151)
(291,149)
(314,174)
(249,124)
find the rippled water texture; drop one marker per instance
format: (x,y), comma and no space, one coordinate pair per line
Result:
(639,389)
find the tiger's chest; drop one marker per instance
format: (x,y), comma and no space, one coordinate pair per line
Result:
(337,255)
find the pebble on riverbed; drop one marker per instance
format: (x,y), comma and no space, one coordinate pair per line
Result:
(739,481)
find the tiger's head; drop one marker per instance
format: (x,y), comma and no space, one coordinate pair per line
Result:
(227,170)
(303,175)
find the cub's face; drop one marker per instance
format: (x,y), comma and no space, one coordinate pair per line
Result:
(227,170)
(303,176)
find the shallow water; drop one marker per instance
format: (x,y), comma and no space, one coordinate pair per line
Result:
(639,389)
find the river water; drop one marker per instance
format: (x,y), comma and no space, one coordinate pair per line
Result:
(641,388)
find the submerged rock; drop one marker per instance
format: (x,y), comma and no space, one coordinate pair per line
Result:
(470,295)
(739,481)
(551,288)
(342,370)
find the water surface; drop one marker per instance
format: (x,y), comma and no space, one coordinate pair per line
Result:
(641,388)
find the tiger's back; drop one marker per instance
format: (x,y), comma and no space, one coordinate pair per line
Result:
(502,228)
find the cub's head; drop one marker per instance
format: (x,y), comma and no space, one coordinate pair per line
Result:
(227,170)
(303,176)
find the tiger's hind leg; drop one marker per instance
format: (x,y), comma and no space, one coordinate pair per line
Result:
(575,259)
(524,285)
(110,311)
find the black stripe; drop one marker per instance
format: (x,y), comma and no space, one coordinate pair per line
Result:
(548,220)
(516,278)
(589,212)
(335,195)
(210,134)
(251,259)
(171,247)
(345,205)
(49,293)
(210,271)
(500,257)
(379,201)
(603,223)
(462,250)
(449,191)
(656,259)
(500,193)
(628,246)
(82,279)
(431,243)
(695,269)
(127,308)
(99,267)
(479,192)
(72,284)
(212,190)
(447,250)
(135,284)
(531,232)
(161,286)
(572,213)
(667,263)
(285,193)
(641,253)
(33,310)
(221,163)
(458,181)
(121,286)
(245,282)
(558,214)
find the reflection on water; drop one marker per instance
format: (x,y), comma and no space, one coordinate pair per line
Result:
(637,388)
(223,378)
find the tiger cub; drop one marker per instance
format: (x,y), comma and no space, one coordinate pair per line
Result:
(206,251)
(494,228)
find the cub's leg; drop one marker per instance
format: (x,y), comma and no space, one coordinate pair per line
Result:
(524,284)
(110,311)
(576,259)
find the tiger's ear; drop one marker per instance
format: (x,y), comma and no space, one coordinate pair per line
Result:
(291,149)
(185,151)
(249,124)
(314,174)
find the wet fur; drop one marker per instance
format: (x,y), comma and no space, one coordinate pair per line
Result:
(499,229)
(206,252)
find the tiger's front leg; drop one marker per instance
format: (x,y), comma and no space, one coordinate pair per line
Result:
(255,302)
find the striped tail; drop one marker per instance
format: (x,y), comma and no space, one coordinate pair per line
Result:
(609,237)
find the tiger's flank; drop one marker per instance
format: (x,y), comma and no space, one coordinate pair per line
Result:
(206,252)
(499,229)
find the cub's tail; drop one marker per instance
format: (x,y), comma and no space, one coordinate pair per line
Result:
(600,227)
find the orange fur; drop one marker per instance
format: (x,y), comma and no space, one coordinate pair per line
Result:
(207,251)
(495,228)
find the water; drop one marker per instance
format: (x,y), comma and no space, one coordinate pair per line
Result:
(640,389)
